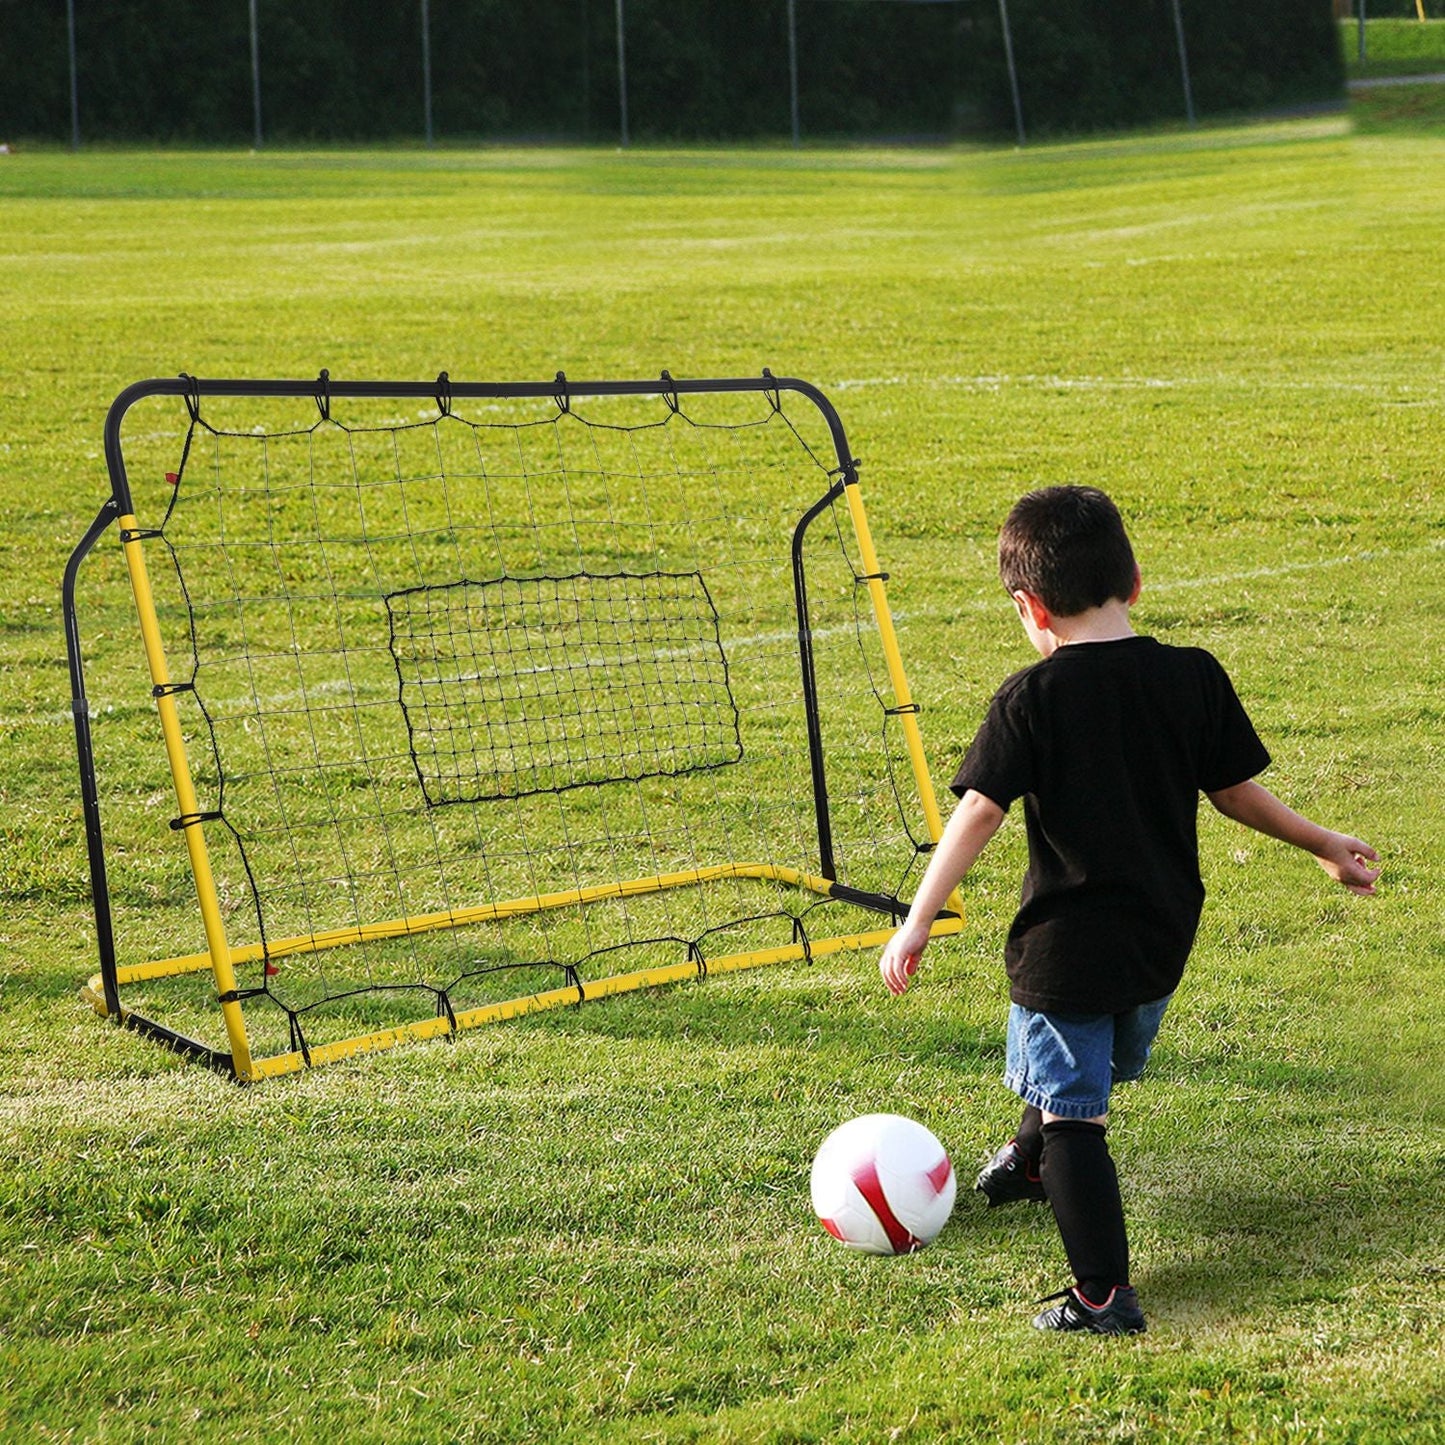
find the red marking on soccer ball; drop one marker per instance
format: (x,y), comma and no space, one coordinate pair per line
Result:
(869,1186)
(941,1175)
(882,1184)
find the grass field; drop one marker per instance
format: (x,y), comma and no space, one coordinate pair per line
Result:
(1394,47)
(1403,60)
(593,1224)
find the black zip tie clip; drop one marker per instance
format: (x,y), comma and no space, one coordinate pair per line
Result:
(444,1002)
(190,820)
(444,393)
(771,390)
(564,401)
(669,394)
(800,935)
(192,396)
(323,394)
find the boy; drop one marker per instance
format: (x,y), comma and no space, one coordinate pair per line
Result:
(1109,741)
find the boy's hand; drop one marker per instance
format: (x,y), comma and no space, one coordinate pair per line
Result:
(901,954)
(1347,860)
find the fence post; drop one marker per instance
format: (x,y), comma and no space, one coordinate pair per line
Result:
(74,79)
(622,74)
(255,78)
(793,67)
(426,67)
(1013,79)
(1184,62)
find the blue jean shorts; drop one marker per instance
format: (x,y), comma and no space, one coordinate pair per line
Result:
(1065,1064)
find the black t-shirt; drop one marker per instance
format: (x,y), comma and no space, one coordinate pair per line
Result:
(1109,745)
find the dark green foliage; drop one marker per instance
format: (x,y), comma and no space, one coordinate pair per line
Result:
(696,69)
(1083,65)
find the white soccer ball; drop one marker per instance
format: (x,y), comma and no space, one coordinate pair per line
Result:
(882,1184)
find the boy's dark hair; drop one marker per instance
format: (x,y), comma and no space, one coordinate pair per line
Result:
(1068,546)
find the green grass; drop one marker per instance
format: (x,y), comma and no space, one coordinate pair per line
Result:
(594,1225)
(1397,51)
(1404,108)
(1394,47)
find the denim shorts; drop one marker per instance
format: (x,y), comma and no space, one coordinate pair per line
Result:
(1065,1064)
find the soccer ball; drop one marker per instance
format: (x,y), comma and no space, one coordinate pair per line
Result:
(882,1184)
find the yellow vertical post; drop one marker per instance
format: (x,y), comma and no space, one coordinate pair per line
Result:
(913,738)
(200,857)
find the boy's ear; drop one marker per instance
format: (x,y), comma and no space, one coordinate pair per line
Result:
(1031,609)
(1138,586)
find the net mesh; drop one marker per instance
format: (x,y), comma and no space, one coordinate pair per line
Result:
(533,684)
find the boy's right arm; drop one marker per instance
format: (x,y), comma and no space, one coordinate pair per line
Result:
(975,820)
(1344,858)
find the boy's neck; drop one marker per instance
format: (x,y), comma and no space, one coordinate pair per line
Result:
(1109,623)
(1048,632)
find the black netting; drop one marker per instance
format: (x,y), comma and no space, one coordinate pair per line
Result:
(534,684)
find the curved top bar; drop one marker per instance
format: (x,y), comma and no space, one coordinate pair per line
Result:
(427,390)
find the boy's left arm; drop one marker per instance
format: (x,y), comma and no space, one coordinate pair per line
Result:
(1347,860)
(975,820)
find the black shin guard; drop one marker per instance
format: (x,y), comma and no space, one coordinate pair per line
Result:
(1083,1190)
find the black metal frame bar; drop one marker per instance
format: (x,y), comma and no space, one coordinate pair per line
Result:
(827,863)
(85,750)
(560,389)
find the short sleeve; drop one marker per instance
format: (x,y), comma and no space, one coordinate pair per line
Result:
(1233,753)
(999,761)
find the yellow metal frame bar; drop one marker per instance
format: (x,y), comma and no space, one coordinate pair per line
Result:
(481,913)
(559,997)
(218,950)
(441,1027)
(913,738)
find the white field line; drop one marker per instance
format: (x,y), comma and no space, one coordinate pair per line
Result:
(1220,579)
(975,604)
(635,659)
(1001,380)
(1350,559)
(345,689)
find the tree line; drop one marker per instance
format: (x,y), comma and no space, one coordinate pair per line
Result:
(180,71)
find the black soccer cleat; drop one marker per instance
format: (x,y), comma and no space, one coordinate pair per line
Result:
(1008,1176)
(1118,1315)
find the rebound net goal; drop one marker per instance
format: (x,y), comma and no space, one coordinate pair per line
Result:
(537,693)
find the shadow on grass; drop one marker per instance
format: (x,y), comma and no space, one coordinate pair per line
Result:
(1270,1229)
(797,1015)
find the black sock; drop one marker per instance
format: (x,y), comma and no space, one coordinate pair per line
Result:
(1030,1137)
(1083,1190)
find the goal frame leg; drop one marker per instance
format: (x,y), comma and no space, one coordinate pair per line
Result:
(191,818)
